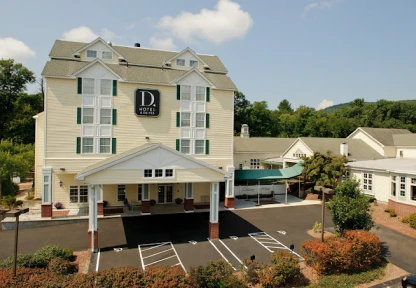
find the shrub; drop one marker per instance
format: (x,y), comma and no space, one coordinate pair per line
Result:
(32,278)
(105,203)
(251,270)
(30,196)
(215,274)
(269,278)
(152,202)
(286,265)
(62,267)
(8,201)
(317,227)
(59,205)
(18,203)
(412,220)
(387,210)
(354,251)
(392,213)
(178,200)
(9,188)
(371,199)
(405,220)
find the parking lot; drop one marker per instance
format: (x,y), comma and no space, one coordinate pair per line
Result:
(181,239)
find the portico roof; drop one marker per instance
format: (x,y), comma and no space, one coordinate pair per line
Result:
(269,174)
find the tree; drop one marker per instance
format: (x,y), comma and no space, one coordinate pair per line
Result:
(260,120)
(13,81)
(350,208)
(324,170)
(242,109)
(15,159)
(285,107)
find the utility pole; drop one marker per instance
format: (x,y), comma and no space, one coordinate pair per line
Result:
(16,213)
(323,215)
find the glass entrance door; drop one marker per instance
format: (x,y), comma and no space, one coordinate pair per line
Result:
(165,194)
(169,194)
(161,194)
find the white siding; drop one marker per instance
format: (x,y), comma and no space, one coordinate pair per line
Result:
(39,154)
(407,152)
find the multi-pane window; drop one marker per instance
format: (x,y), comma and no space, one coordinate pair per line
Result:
(148,173)
(254,163)
(368,182)
(240,166)
(185,92)
(107,55)
(169,173)
(121,192)
(105,145)
(193,63)
(413,189)
(78,194)
(158,172)
(105,87)
(199,146)
(200,120)
(87,145)
(139,192)
(185,119)
(185,146)
(299,155)
(87,115)
(200,93)
(402,186)
(180,62)
(393,186)
(91,53)
(105,116)
(88,86)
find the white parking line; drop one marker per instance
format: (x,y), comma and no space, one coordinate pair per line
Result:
(265,236)
(232,253)
(156,245)
(98,259)
(221,254)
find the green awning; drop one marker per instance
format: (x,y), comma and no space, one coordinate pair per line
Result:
(269,174)
(271,162)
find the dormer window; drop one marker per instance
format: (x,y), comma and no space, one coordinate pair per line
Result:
(107,55)
(91,54)
(194,63)
(180,62)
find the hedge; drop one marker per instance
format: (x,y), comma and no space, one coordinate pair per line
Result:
(354,251)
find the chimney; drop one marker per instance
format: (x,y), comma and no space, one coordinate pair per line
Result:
(136,44)
(343,149)
(244,131)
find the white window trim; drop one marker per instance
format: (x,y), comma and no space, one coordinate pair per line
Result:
(112,55)
(366,191)
(96,53)
(412,185)
(256,162)
(163,173)
(78,203)
(142,188)
(393,181)
(184,62)
(190,65)
(203,148)
(125,192)
(399,196)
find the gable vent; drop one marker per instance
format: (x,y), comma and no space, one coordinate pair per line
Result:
(136,44)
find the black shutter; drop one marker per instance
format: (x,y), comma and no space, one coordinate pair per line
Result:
(207,147)
(79,114)
(178,146)
(114,87)
(79,88)
(178,119)
(114,116)
(113,145)
(207,120)
(178,92)
(78,145)
(208,94)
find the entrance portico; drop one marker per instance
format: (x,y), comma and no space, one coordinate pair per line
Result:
(154,173)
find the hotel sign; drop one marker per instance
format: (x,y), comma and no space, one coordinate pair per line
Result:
(147,102)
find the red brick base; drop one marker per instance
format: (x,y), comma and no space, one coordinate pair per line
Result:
(188,205)
(90,239)
(229,202)
(402,209)
(100,208)
(214,230)
(146,207)
(46,210)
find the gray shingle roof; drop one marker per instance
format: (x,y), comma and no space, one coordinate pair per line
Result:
(65,68)
(262,144)
(133,55)
(384,135)
(357,148)
(404,139)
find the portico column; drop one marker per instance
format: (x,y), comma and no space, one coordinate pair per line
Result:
(146,200)
(100,200)
(46,208)
(229,189)
(214,231)
(92,220)
(188,205)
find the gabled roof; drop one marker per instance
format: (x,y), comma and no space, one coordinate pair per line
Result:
(187,49)
(129,154)
(262,144)
(404,139)
(93,63)
(384,136)
(99,39)
(134,55)
(193,70)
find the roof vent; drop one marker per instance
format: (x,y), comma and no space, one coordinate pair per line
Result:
(77,55)
(136,44)
(206,67)
(109,43)
(167,63)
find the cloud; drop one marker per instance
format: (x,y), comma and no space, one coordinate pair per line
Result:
(226,22)
(324,4)
(15,49)
(130,26)
(324,104)
(165,43)
(85,34)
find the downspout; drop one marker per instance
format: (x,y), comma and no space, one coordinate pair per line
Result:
(44,120)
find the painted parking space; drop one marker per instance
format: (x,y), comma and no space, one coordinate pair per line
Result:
(116,257)
(272,244)
(159,254)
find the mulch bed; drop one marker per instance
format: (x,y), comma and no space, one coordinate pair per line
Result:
(109,211)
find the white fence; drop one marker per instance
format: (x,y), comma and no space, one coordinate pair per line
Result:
(264,189)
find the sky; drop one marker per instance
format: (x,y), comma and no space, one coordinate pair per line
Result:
(313,53)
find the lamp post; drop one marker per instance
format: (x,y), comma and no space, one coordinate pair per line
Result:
(16,213)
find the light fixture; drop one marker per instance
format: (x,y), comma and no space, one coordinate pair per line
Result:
(147,137)
(62,169)
(60,183)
